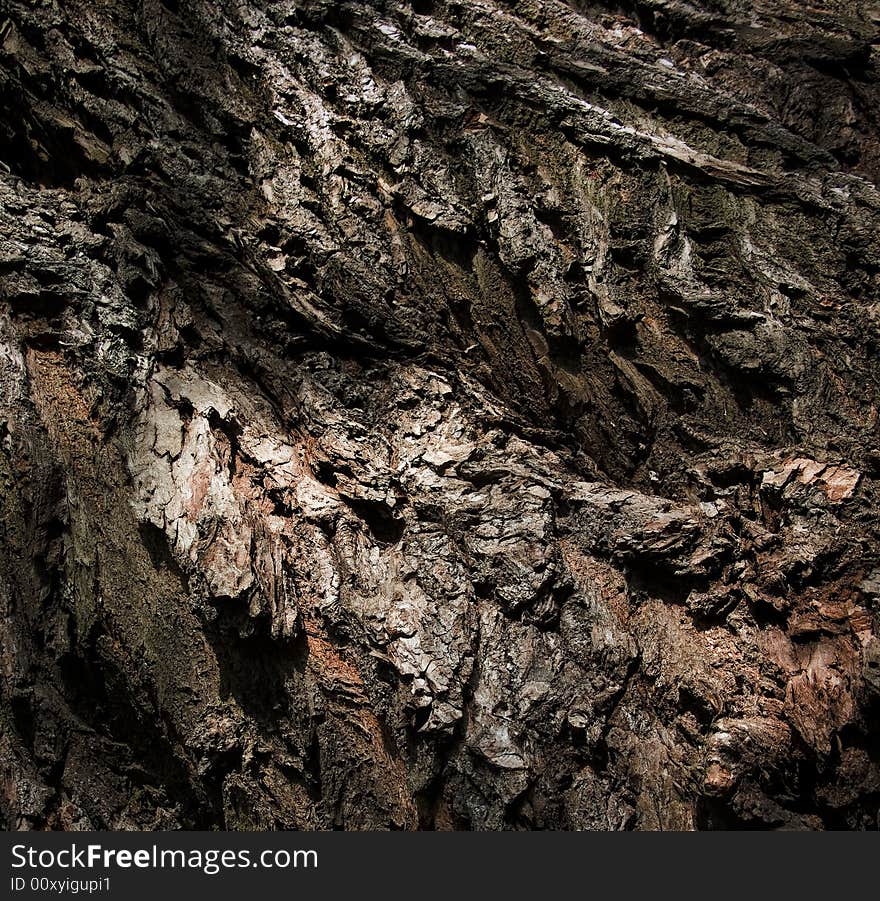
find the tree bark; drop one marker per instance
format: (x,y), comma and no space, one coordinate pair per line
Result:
(440,415)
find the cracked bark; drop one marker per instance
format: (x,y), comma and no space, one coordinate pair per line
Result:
(439,415)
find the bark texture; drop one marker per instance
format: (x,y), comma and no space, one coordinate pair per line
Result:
(455,414)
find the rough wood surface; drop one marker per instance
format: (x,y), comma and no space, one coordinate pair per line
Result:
(446,415)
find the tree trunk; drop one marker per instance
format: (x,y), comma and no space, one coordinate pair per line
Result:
(440,415)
